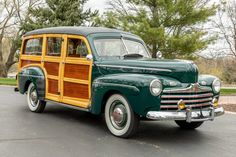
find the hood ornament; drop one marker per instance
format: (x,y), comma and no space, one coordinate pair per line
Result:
(195,87)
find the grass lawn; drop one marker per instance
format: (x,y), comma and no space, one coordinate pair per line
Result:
(8,81)
(228,91)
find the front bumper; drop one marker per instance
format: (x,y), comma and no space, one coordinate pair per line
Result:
(189,115)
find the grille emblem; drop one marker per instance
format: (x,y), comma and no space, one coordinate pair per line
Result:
(195,87)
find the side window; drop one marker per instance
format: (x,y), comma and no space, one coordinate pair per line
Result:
(33,46)
(54,46)
(76,48)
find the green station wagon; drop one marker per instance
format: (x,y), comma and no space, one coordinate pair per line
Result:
(111,72)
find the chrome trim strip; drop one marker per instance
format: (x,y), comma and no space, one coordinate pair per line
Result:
(186,101)
(27,75)
(132,67)
(188,115)
(176,106)
(187,96)
(194,88)
(118,85)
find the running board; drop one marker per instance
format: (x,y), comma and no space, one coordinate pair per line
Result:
(68,105)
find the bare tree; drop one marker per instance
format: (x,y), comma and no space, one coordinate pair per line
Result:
(226,24)
(12,15)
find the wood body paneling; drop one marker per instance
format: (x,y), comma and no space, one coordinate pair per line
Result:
(52,86)
(76,71)
(76,90)
(68,77)
(27,62)
(52,68)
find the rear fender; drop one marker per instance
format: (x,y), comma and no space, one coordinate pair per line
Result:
(34,74)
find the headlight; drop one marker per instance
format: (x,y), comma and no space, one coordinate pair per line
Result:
(216,85)
(155,87)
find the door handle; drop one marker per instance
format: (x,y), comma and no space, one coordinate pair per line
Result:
(63,62)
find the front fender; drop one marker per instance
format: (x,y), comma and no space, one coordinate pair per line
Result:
(134,87)
(206,80)
(32,74)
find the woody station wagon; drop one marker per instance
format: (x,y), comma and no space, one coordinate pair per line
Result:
(110,72)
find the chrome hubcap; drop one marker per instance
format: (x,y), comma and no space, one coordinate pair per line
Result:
(118,115)
(33,97)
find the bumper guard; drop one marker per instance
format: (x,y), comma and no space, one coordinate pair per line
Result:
(188,114)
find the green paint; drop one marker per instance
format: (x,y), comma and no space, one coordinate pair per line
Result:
(35,75)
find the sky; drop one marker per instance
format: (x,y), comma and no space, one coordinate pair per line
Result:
(97,4)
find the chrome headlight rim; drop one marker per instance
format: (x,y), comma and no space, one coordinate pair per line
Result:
(214,85)
(152,86)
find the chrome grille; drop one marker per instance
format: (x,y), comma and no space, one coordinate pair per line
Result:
(195,96)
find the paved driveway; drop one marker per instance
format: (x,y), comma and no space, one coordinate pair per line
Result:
(63,132)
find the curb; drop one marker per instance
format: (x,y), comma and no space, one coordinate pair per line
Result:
(7,85)
(229,112)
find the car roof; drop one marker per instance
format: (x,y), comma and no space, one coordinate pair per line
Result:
(74,30)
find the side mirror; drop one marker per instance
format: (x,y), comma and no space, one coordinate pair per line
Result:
(159,55)
(89,57)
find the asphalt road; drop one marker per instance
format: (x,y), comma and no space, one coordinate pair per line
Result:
(63,132)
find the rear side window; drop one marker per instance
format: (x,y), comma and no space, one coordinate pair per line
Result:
(33,46)
(76,48)
(54,46)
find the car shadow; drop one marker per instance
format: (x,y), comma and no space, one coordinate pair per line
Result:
(66,113)
(168,132)
(148,131)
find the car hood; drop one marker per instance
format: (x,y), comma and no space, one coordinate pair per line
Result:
(182,70)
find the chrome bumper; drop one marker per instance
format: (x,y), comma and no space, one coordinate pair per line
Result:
(189,115)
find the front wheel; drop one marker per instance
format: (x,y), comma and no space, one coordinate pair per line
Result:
(34,104)
(190,126)
(119,116)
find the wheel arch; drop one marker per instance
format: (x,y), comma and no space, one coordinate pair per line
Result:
(27,83)
(34,74)
(106,97)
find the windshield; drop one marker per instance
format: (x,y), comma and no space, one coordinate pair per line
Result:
(119,48)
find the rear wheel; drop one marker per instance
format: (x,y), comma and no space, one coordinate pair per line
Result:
(34,104)
(119,116)
(186,125)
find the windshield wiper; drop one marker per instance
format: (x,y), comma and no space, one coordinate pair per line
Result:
(132,55)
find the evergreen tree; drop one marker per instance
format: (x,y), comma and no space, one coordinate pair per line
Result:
(59,13)
(168,26)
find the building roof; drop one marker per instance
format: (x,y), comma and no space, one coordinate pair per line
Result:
(84,31)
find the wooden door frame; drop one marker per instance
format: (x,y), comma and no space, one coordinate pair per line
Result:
(83,103)
(54,59)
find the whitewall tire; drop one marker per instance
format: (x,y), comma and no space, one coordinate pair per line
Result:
(120,118)
(34,104)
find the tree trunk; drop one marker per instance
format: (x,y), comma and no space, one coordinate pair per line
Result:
(11,56)
(4,67)
(3,70)
(154,51)
(1,53)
